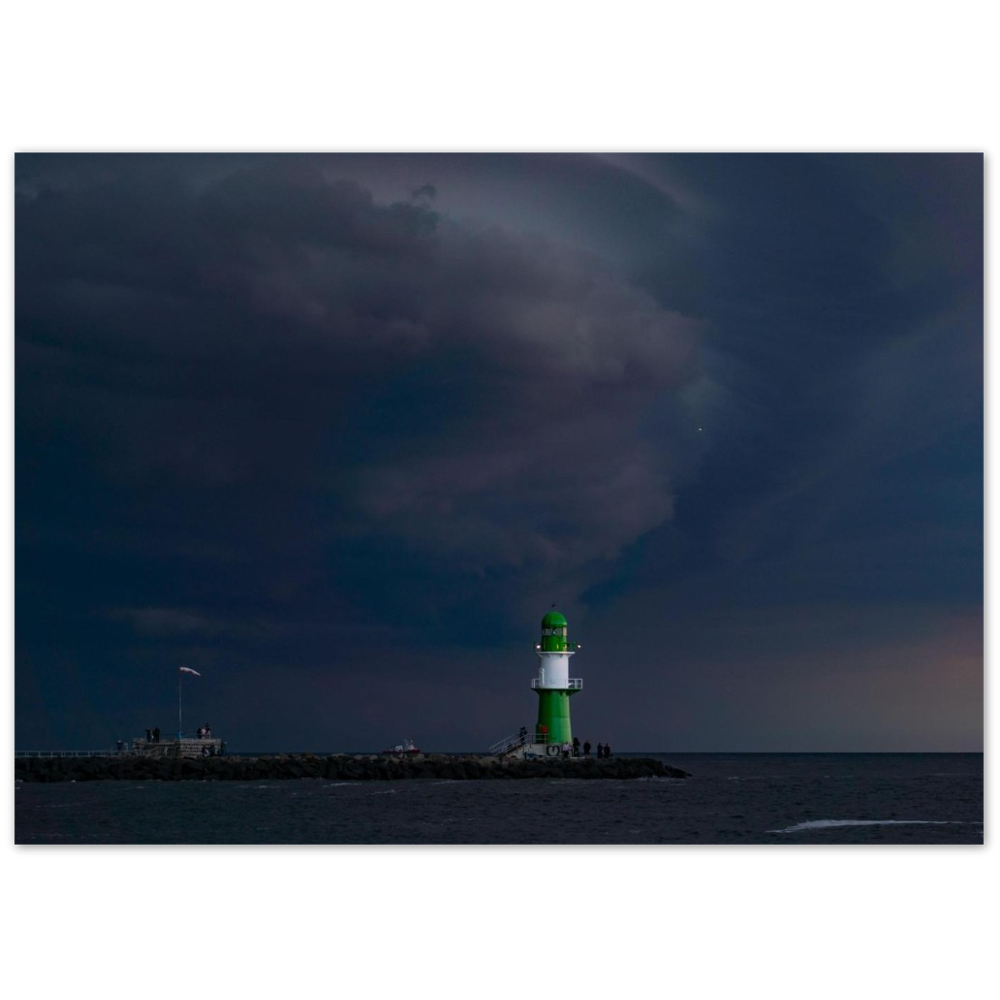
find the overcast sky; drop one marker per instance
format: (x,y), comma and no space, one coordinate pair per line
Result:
(336,431)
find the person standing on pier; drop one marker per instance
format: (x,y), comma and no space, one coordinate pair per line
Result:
(586,749)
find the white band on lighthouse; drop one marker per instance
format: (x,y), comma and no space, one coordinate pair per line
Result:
(553,671)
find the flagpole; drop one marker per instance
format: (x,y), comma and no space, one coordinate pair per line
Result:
(180,687)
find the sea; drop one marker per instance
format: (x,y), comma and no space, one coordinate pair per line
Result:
(730,798)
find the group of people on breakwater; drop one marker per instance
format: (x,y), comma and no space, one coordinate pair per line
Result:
(603,749)
(567,749)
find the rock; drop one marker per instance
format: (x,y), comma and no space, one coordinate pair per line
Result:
(340,767)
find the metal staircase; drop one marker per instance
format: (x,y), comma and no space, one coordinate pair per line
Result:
(507,744)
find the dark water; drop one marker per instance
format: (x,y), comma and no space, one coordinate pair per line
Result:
(731,799)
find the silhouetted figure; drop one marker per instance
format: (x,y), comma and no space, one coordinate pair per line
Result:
(566,749)
(522,735)
(607,749)
(149,735)
(576,746)
(600,750)
(208,730)
(201,732)
(156,735)
(586,749)
(121,743)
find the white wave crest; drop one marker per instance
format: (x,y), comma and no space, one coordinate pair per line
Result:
(821,824)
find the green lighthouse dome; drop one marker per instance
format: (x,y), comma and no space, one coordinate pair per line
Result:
(554,632)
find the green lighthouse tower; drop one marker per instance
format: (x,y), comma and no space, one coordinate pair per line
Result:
(553,684)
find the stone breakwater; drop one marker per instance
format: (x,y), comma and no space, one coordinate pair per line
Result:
(341,767)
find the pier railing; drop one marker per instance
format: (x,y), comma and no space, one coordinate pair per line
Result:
(205,747)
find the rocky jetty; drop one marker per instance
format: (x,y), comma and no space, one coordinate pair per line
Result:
(340,767)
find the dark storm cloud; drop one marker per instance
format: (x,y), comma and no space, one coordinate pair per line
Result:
(847,384)
(270,395)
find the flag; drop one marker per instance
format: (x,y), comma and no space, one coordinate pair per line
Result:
(188,670)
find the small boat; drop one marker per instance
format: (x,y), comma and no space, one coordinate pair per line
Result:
(406,747)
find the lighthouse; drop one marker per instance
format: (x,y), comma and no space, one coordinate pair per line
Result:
(553,685)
